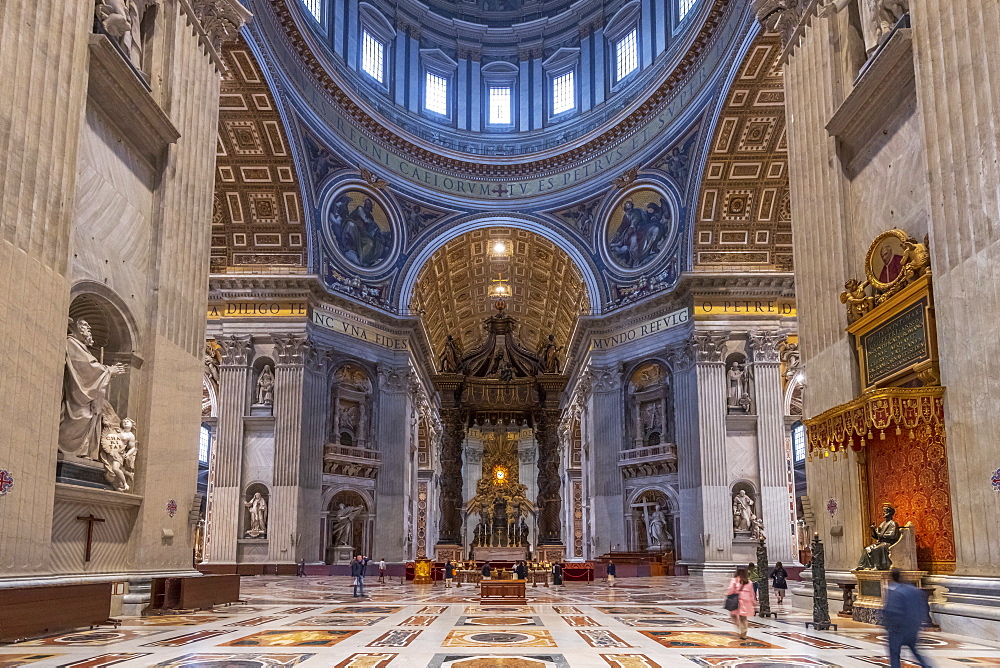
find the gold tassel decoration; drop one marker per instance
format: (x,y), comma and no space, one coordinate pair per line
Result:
(881,435)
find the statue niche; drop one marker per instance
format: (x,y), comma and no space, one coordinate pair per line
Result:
(352,391)
(256,510)
(650,405)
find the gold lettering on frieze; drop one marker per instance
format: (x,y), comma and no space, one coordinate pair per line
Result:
(257,309)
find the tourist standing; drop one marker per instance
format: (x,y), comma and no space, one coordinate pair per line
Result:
(521,570)
(779,578)
(449,574)
(557,574)
(745,599)
(358,573)
(904,613)
(486,570)
(301,570)
(612,571)
(381,570)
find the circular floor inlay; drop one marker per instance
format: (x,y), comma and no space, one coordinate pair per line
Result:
(499,637)
(500,621)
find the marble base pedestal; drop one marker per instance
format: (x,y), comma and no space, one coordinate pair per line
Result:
(74,470)
(343,554)
(551,553)
(872,587)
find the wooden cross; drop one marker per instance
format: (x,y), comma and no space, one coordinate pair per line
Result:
(89,519)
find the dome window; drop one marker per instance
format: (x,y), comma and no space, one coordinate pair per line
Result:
(373,57)
(627,54)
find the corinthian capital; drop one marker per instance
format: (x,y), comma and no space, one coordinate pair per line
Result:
(606,378)
(235,350)
(220,19)
(766,346)
(291,349)
(708,346)
(394,379)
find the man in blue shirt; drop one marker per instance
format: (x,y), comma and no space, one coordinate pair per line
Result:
(904,614)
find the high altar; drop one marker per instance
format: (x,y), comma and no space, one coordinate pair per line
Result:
(894,432)
(500,487)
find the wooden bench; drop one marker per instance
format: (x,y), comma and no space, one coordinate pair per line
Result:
(32,611)
(503,592)
(193,593)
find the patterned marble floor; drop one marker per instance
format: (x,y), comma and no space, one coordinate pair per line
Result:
(641,623)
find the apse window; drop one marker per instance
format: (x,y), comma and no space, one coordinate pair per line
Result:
(315,8)
(373,57)
(203,445)
(499,104)
(627,54)
(683,8)
(563,93)
(799,443)
(436,94)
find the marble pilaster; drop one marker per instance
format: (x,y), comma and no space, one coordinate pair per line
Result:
(225,502)
(606,432)
(774,504)
(710,371)
(393,416)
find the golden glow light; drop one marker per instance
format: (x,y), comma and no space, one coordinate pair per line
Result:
(499,248)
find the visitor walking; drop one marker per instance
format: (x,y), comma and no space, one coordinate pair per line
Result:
(358,573)
(904,613)
(300,571)
(740,600)
(612,570)
(449,574)
(381,570)
(779,578)
(754,575)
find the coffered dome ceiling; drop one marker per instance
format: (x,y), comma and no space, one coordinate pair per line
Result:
(547,293)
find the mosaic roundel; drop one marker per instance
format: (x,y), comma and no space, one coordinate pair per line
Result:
(500,638)
(639,227)
(357,225)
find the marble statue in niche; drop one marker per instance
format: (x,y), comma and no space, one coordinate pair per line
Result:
(885,535)
(743,513)
(343,525)
(879,17)
(656,529)
(118,450)
(85,407)
(212,362)
(265,387)
(257,509)
(121,21)
(738,396)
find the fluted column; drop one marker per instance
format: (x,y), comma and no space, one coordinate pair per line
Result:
(393,438)
(607,430)
(225,503)
(773,505)
(43,49)
(710,371)
(957,64)
(284,527)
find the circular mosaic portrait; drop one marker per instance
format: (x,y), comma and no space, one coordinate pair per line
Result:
(885,258)
(357,225)
(639,227)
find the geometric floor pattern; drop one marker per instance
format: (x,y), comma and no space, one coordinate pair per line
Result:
(641,623)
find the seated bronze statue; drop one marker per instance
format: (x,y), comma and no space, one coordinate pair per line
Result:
(876,556)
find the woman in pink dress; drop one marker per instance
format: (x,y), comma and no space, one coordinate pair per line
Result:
(742,586)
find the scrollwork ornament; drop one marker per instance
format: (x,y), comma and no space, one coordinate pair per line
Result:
(394,379)
(220,19)
(606,379)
